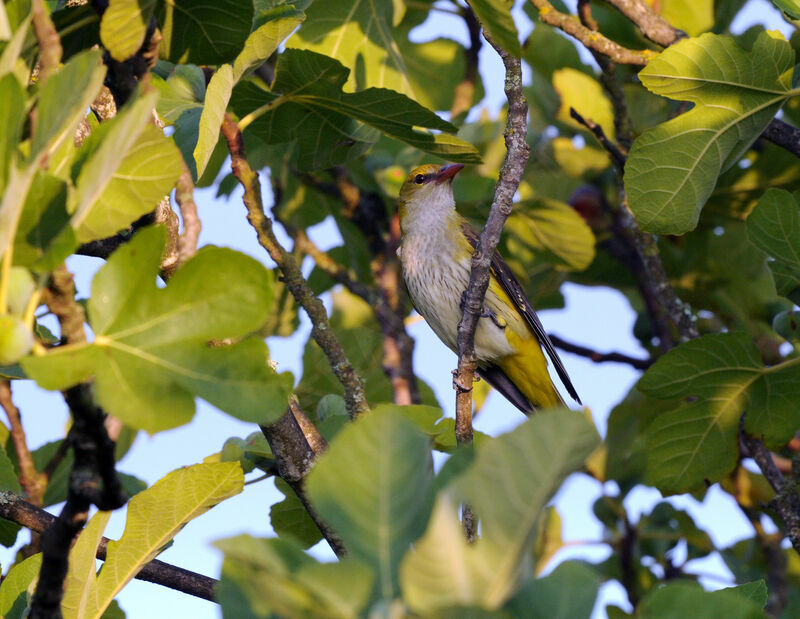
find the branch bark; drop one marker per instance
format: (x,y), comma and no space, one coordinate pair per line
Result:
(786,501)
(321,331)
(294,457)
(591,39)
(652,25)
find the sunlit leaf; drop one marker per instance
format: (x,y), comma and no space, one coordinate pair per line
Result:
(673,167)
(151,357)
(123,26)
(17,587)
(307,104)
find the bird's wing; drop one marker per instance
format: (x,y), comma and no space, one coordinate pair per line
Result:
(514,290)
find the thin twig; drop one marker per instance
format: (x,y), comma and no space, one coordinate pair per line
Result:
(617,156)
(652,25)
(784,135)
(786,501)
(49,42)
(15,509)
(321,331)
(591,39)
(465,91)
(295,457)
(517,153)
(608,78)
(599,357)
(184,196)
(31,480)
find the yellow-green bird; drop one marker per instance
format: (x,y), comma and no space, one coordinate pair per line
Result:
(435,251)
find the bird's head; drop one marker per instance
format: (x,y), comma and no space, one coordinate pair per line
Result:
(427,192)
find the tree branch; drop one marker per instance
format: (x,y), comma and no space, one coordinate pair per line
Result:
(294,457)
(591,39)
(184,196)
(598,357)
(786,501)
(31,480)
(517,152)
(16,509)
(465,91)
(784,135)
(321,331)
(652,25)
(617,156)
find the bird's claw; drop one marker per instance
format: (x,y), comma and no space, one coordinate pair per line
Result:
(457,384)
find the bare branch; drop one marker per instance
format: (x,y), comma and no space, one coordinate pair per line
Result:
(31,480)
(591,39)
(321,331)
(617,156)
(16,509)
(517,152)
(652,25)
(598,357)
(786,501)
(465,91)
(184,196)
(784,135)
(49,42)
(295,457)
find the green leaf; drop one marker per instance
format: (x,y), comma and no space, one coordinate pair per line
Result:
(44,235)
(154,517)
(774,227)
(17,587)
(12,50)
(680,600)
(538,455)
(373,487)
(444,570)
(508,485)
(64,99)
(725,375)
(81,580)
(358,34)
(123,26)
(274,577)
(755,592)
(495,17)
(263,41)
(289,517)
(218,94)
(673,167)
(332,126)
(570,590)
(790,7)
(203,33)
(150,356)
(127,167)
(12,111)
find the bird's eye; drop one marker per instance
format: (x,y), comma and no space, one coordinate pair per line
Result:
(419,179)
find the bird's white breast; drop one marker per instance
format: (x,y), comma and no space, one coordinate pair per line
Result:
(436,281)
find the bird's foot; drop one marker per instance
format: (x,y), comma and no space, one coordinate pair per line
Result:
(458,386)
(485,312)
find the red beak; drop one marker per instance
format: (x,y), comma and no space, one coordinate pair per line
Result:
(447,172)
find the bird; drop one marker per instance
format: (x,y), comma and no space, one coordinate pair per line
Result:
(435,253)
